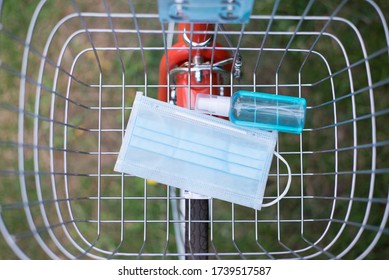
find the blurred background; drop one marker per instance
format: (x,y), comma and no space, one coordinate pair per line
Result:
(66,95)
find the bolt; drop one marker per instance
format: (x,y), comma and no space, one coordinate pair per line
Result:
(198,60)
(238,67)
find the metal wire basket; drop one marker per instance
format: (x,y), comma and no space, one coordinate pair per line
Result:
(69,73)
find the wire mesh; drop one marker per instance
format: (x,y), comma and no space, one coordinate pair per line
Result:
(69,74)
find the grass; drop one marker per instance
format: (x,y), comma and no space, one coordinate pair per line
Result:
(81,182)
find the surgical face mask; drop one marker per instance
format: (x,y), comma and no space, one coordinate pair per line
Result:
(196,152)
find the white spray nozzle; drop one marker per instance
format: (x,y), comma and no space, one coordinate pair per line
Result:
(213,104)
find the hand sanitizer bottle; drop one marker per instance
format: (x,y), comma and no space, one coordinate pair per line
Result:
(256,109)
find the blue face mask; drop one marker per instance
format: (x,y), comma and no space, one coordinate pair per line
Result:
(196,152)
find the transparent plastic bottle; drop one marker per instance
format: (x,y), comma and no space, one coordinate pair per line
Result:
(257,109)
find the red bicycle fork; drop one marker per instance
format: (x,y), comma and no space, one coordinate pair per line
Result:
(193,65)
(189,64)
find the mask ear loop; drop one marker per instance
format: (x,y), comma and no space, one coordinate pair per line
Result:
(287,184)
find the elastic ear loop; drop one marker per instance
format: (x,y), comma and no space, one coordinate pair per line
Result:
(287,184)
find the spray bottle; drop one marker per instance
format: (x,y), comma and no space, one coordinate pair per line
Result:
(256,109)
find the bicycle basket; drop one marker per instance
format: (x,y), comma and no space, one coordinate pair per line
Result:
(69,74)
